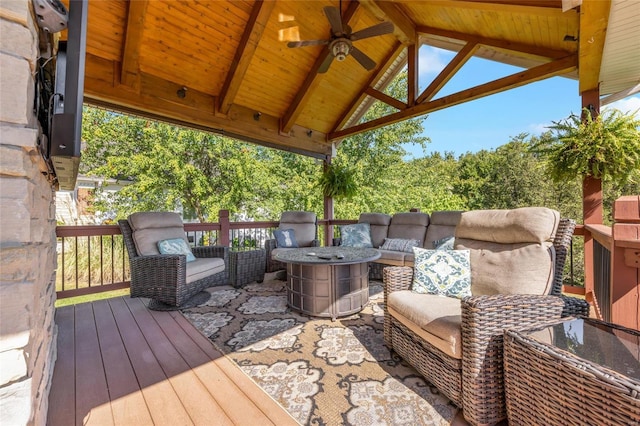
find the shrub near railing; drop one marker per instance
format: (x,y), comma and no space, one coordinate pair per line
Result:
(90,259)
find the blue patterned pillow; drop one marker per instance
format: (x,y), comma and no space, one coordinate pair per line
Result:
(442,272)
(285,238)
(445,243)
(176,246)
(399,244)
(356,235)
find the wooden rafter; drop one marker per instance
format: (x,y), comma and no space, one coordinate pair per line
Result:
(403,28)
(527,49)
(130,64)
(448,72)
(558,67)
(158,98)
(311,82)
(594,16)
(246,48)
(528,7)
(375,78)
(412,74)
(383,97)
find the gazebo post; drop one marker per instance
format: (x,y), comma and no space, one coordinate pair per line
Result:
(328,209)
(591,199)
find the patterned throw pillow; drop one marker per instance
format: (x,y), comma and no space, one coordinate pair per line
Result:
(399,244)
(176,246)
(356,235)
(442,272)
(445,243)
(285,238)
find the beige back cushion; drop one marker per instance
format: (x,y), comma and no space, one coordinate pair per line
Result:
(511,251)
(409,225)
(150,227)
(303,224)
(441,224)
(379,226)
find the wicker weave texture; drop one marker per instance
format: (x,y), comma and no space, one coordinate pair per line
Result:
(246,267)
(548,386)
(163,277)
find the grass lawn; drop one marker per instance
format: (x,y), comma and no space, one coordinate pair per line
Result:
(91,297)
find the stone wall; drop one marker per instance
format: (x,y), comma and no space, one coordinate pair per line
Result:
(27,230)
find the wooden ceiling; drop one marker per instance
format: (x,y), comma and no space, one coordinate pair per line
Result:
(231,62)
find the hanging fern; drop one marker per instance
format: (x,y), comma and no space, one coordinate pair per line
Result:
(338,182)
(607,146)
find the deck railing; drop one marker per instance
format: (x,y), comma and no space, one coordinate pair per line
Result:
(93,259)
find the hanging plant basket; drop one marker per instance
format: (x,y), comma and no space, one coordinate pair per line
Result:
(605,147)
(338,182)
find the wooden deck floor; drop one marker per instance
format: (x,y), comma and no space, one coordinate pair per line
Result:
(122,364)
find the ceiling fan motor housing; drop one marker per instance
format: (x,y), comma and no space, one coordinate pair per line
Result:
(340,48)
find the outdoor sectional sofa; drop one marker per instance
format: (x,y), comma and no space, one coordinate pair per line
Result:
(424,228)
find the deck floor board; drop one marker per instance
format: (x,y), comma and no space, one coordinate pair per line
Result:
(119,363)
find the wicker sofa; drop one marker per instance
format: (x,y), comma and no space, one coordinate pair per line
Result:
(407,225)
(457,344)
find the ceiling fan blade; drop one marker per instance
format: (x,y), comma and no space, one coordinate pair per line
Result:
(364,60)
(335,20)
(326,64)
(376,30)
(307,43)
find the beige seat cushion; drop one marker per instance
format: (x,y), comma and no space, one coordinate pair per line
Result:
(436,319)
(303,225)
(204,267)
(390,257)
(150,227)
(511,251)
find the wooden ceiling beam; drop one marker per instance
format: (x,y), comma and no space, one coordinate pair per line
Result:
(130,64)
(312,81)
(383,97)
(448,72)
(509,6)
(594,18)
(558,67)
(158,99)
(539,51)
(372,82)
(244,53)
(412,74)
(403,27)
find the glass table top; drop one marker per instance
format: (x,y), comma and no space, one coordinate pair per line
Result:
(596,342)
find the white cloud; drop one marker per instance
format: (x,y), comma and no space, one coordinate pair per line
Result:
(627,105)
(538,129)
(432,60)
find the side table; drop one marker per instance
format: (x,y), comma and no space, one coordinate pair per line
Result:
(246,266)
(573,372)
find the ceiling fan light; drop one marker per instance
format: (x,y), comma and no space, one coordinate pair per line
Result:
(340,50)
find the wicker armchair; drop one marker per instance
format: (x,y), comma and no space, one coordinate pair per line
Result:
(168,279)
(474,381)
(305,225)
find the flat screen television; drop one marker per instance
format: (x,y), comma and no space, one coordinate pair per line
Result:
(65,111)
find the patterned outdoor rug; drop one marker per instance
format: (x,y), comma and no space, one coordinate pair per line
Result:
(321,372)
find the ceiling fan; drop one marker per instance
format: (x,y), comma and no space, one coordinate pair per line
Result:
(340,44)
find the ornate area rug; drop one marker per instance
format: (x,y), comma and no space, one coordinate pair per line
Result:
(322,372)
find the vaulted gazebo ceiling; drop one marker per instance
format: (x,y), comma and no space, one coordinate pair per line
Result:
(225,65)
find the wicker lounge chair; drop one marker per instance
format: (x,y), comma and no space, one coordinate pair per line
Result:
(168,279)
(474,380)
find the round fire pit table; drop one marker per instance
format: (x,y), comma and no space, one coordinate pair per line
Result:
(328,281)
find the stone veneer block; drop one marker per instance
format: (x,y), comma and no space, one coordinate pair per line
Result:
(17,90)
(18,136)
(18,38)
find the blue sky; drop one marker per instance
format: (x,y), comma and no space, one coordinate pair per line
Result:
(492,121)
